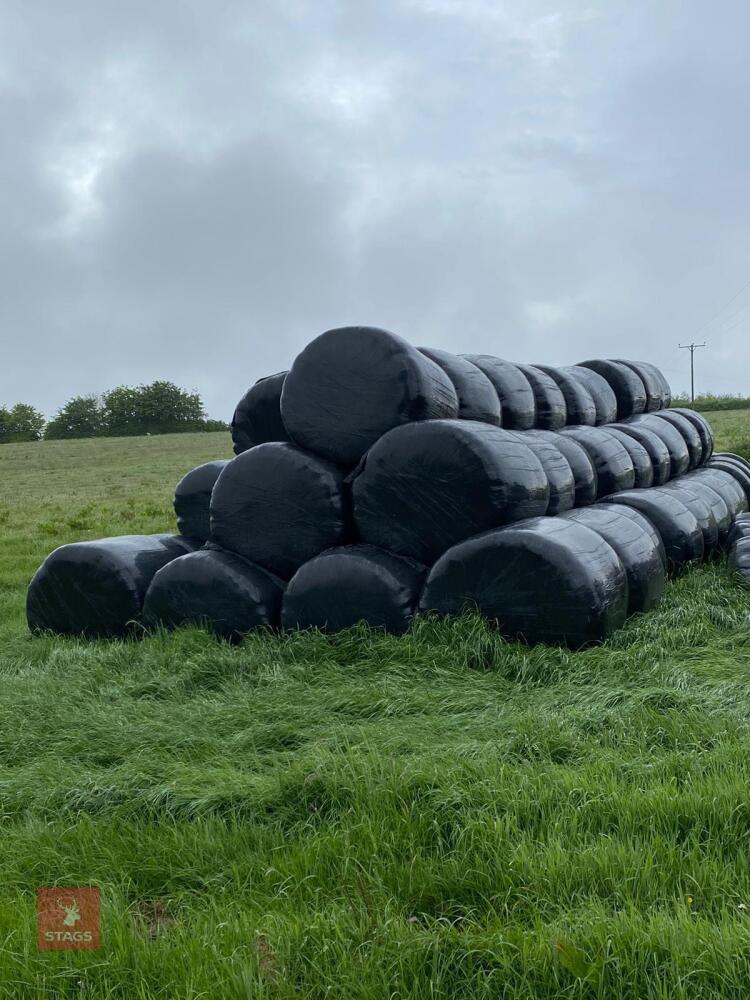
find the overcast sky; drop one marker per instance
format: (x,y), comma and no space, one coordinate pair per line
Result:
(194,190)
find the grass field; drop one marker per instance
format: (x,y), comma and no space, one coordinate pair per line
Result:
(443,815)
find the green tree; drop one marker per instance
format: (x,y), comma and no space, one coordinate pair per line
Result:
(159,408)
(82,416)
(21,423)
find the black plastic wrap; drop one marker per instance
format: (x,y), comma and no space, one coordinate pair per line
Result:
(642,466)
(215,588)
(705,433)
(696,502)
(426,486)
(734,469)
(688,486)
(625,383)
(355,583)
(556,468)
(612,462)
(544,580)
(279,506)
(677,525)
(349,386)
(656,449)
(689,433)
(513,390)
(679,457)
(638,546)
(192,499)
(579,404)
(551,409)
(477,398)
(656,386)
(96,588)
(257,417)
(739,560)
(579,460)
(726,486)
(739,530)
(737,459)
(605,401)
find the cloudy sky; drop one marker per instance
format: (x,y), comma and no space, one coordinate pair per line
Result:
(194,190)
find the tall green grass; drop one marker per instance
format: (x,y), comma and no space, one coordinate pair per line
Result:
(443,815)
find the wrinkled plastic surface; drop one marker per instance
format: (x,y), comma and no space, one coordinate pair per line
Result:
(696,502)
(551,409)
(739,559)
(192,499)
(656,386)
(257,417)
(642,466)
(638,546)
(719,506)
(556,468)
(356,583)
(584,474)
(689,433)
(279,506)
(579,404)
(624,382)
(605,401)
(679,457)
(477,399)
(426,486)
(677,525)
(96,588)
(734,469)
(215,588)
(726,486)
(513,390)
(702,426)
(739,530)
(656,449)
(612,462)
(546,580)
(351,385)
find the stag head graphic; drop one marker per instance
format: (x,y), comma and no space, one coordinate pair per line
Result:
(71,911)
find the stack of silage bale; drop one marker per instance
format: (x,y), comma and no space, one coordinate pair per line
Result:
(375,480)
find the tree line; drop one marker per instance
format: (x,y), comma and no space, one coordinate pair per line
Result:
(158,408)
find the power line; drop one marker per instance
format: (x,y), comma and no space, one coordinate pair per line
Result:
(714,318)
(693,348)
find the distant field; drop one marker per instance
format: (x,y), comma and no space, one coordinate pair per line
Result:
(444,815)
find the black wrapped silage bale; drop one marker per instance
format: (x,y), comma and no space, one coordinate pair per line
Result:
(726,486)
(677,525)
(605,401)
(96,588)
(546,580)
(642,466)
(351,584)
(513,390)
(638,546)
(192,499)
(729,465)
(739,560)
(477,399)
(722,510)
(551,409)
(556,468)
(689,433)
(694,498)
(740,529)
(656,449)
(579,403)
(425,486)
(624,382)
(350,386)
(257,416)
(215,588)
(612,462)
(679,457)
(278,506)
(654,382)
(703,427)
(584,473)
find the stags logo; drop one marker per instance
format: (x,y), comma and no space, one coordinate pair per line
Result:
(67,918)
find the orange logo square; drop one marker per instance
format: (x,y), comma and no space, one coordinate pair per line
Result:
(67,918)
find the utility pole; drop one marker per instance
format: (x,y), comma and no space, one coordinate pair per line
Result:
(692,348)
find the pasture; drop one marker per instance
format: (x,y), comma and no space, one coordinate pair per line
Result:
(436,816)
